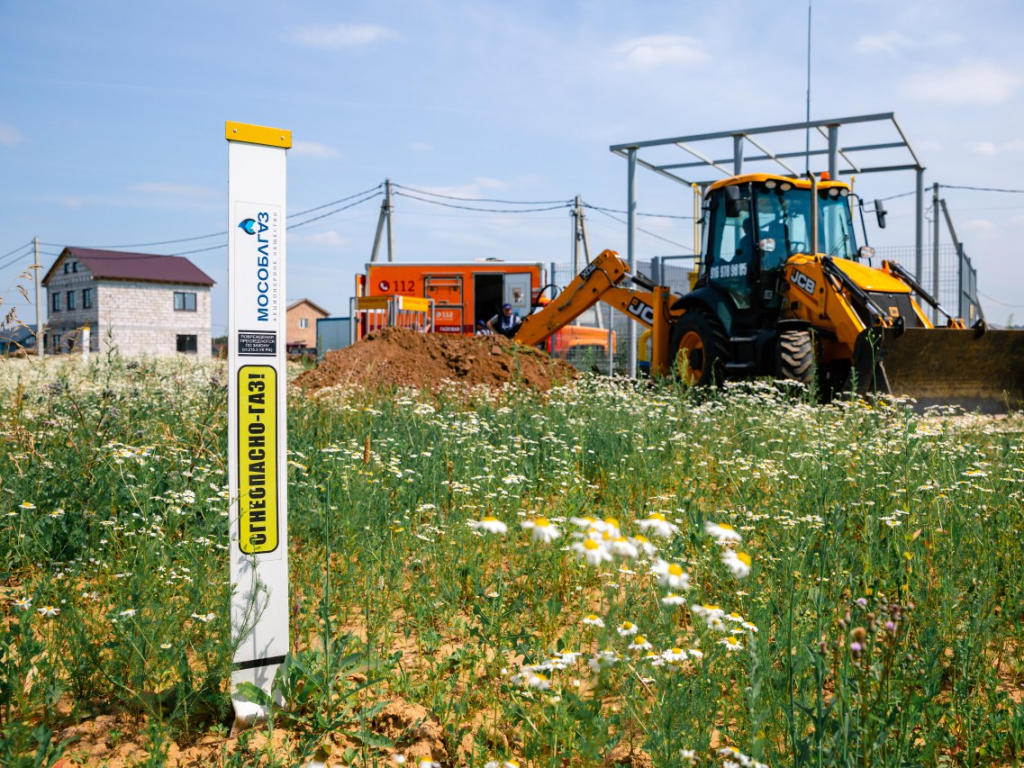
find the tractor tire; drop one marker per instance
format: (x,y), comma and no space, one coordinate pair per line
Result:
(698,349)
(795,360)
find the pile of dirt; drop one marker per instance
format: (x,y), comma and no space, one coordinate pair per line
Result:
(398,356)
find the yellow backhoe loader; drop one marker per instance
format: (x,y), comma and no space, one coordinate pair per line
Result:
(783,290)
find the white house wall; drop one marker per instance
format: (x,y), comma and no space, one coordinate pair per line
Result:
(138,318)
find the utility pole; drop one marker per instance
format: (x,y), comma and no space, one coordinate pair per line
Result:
(39,300)
(576,237)
(935,249)
(391,222)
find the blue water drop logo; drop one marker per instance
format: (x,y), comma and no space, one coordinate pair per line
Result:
(248,226)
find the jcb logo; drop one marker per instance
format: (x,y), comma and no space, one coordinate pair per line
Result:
(803,282)
(591,268)
(644,312)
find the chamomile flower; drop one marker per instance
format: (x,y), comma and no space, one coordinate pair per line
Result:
(737,562)
(721,532)
(674,655)
(688,756)
(27,505)
(673,599)
(48,611)
(623,547)
(542,530)
(531,679)
(592,552)
(583,522)
(644,545)
(657,525)
(731,644)
(23,603)
(489,524)
(627,628)
(603,660)
(671,575)
(640,644)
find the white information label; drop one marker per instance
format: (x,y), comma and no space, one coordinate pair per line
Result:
(257,387)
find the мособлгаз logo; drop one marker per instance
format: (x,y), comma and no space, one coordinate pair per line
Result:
(248,226)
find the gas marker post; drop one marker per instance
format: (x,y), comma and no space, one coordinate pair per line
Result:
(257,389)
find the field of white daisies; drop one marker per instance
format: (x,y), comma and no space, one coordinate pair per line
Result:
(608,574)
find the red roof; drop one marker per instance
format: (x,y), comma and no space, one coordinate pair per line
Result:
(147,267)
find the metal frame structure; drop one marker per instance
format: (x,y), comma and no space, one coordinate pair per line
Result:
(842,161)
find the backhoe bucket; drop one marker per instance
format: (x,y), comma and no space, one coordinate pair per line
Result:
(979,371)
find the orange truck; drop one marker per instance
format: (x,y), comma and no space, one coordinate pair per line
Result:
(465,293)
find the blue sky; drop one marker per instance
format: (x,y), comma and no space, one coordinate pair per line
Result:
(112,114)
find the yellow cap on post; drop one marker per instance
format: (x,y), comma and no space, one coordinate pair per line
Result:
(258,134)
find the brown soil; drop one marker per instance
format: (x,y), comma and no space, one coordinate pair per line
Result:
(400,357)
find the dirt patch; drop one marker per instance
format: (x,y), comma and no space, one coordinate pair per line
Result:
(413,729)
(400,357)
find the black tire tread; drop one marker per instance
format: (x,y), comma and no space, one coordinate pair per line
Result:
(718,343)
(796,356)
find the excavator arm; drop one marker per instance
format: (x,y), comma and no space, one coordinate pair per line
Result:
(600,281)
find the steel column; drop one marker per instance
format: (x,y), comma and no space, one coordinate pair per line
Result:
(631,253)
(737,155)
(833,149)
(919,228)
(935,250)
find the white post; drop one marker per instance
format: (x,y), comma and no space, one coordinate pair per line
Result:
(257,386)
(86,343)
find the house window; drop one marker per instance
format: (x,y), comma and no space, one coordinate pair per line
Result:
(74,267)
(56,342)
(55,302)
(187,342)
(87,298)
(303,322)
(184,302)
(71,299)
(67,267)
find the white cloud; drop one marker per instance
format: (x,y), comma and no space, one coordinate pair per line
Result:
(477,188)
(326,238)
(342,35)
(9,135)
(892,43)
(314,149)
(165,189)
(991,149)
(421,146)
(978,83)
(889,43)
(660,50)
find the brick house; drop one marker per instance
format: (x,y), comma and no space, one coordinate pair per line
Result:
(300,318)
(138,303)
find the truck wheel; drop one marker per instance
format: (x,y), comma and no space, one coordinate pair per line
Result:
(698,349)
(796,356)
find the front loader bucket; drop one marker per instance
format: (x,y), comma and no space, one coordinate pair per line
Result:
(979,371)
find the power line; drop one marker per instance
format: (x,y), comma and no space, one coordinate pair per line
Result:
(646,232)
(565,204)
(983,189)
(478,199)
(16,259)
(378,193)
(1001,303)
(651,215)
(26,245)
(334,202)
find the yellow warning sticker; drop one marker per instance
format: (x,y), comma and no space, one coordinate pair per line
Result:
(257,459)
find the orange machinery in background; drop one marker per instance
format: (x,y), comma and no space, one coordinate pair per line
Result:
(465,293)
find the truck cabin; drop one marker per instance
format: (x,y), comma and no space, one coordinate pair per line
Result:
(754,223)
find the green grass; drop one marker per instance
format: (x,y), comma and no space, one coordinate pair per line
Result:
(113,509)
